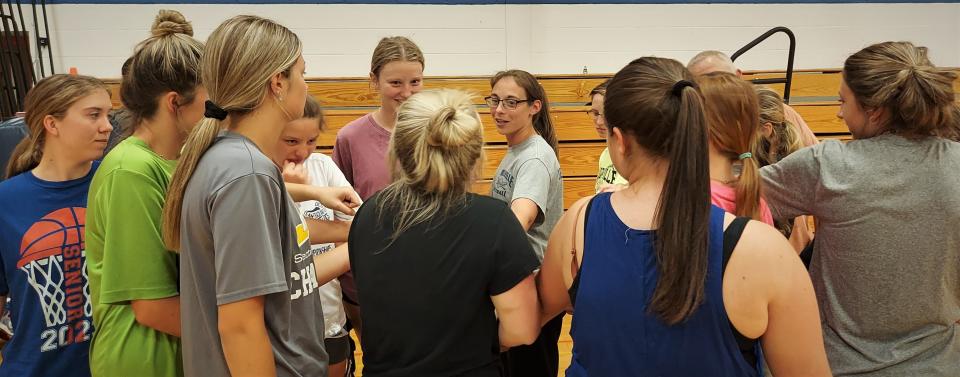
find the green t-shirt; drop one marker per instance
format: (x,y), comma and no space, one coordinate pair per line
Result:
(126,261)
(607,173)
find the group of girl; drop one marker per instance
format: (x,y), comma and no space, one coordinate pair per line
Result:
(213,241)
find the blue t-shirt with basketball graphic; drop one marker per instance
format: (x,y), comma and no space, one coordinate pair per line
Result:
(44,273)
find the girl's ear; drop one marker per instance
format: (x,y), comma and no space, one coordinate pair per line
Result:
(50,125)
(171,101)
(766,130)
(535,107)
(278,85)
(374,82)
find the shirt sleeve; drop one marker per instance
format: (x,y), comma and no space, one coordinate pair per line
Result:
(136,265)
(341,157)
(245,221)
(514,258)
(790,185)
(533,182)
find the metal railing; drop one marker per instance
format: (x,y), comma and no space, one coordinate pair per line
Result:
(18,67)
(786,81)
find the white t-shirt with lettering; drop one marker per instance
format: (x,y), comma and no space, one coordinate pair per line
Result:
(324,173)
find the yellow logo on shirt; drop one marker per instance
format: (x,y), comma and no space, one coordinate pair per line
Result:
(303,234)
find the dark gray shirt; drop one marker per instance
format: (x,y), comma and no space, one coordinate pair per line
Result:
(531,170)
(886,264)
(242,237)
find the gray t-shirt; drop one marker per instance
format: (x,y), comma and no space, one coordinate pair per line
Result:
(243,237)
(531,170)
(886,263)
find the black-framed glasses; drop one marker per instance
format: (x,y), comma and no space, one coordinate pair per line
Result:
(508,103)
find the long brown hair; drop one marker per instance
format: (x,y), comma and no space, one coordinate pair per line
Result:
(435,149)
(899,77)
(733,123)
(51,96)
(645,101)
(241,56)
(542,123)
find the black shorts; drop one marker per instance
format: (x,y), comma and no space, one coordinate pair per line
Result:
(337,348)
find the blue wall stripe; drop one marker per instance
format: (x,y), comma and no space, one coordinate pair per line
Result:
(492,2)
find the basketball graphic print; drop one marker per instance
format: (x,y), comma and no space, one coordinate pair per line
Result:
(52,257)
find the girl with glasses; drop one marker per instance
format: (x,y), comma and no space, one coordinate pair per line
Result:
(529,180)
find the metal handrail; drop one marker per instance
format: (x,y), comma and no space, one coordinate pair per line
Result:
(788,80)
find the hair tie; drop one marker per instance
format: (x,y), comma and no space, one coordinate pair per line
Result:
(746,155)
(680,85)
(211,110)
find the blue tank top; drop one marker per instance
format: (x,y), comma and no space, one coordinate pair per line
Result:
(613,332)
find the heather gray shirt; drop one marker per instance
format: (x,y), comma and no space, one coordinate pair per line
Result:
(242,237)
(531,170)
(886,264)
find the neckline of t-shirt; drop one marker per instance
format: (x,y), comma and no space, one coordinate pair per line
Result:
(143,145)
(376,125)
(63,184)
(530,140)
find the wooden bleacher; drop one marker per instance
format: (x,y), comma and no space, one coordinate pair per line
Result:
(813,95)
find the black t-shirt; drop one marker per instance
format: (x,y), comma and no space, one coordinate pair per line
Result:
(426,304)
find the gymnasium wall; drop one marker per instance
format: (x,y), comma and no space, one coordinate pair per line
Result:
(544,39)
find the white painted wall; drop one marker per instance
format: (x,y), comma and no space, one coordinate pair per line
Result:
(479,40)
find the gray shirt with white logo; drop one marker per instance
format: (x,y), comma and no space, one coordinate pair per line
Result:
(531,170)
(242,237)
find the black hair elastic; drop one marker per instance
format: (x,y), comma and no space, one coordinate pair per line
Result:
(211,110)
(680,85)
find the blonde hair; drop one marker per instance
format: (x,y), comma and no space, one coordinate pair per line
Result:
(733,124)
(51,96)
(435,147)
(393,49)
(167,61)
(784,134)
(241,56)
(899,77)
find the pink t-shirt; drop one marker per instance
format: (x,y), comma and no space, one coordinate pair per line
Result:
(725,197)
(361,154)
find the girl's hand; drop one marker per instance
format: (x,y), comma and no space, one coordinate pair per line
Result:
(295,173)
(340,199)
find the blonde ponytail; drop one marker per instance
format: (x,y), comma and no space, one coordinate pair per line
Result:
(240,57)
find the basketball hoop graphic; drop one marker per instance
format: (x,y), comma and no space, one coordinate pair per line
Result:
(43,250)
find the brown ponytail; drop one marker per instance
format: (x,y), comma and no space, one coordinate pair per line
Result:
(51,96)
(670,125)
(899,77)
(733,121)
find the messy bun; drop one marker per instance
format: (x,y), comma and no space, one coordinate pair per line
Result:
(899,77)
(168,61)
(169,22)
(436,147)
